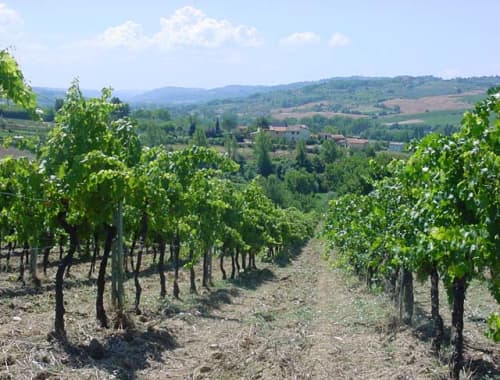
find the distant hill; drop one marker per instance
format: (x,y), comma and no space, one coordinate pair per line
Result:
(165,96)
(47,96)
(394,98)
(358,97)
(182,95)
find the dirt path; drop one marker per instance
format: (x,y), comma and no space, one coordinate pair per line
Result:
(302,322)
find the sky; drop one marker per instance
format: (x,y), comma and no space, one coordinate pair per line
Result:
(141,45)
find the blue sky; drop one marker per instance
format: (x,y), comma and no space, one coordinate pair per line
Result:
(208,43)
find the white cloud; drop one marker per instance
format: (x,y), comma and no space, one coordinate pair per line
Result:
(189,26)
(339,40)
(301,38)
(128,35)
(10,26)
(8,18)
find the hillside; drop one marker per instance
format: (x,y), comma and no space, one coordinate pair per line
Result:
(358,97)
(46,96)
(404,103)
(182,95)
(352,95)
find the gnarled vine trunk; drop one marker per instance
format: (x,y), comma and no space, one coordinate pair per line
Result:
(48,243)
(59,329)
(221,264)
(406,296)
(131,254)
(176,245)
(34,266)
(251,261)
(204,280)
(457,327)
(20,278)
(243,261)
(161,267)
(101,278)
(137,268)
(192,275)
(211,252)
(233,265)
(436,317)
(94,254)
(236,260)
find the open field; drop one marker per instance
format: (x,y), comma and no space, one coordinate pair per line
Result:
(430,103)
(407,122)
(301,114)
(28,128)
(433,118)
(300,320)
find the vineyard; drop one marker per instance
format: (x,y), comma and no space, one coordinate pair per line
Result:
(436,215)
(151,243)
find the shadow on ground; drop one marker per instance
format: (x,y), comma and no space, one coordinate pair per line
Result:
(423,326)
(122,354)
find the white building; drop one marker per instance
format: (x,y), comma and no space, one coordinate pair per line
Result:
(290,133)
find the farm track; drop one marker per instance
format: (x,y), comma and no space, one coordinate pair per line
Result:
(307,323)
(298,321)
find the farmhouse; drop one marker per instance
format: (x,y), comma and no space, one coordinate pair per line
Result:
(339,139)
(356,143)
(396,146)
(290,132)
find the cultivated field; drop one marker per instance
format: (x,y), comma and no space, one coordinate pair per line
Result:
(429,104)
(302,114)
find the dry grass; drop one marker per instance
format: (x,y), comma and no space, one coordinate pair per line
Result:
(406,122)
(429,104)
(303,114)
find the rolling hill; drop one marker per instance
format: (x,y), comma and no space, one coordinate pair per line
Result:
(402,99)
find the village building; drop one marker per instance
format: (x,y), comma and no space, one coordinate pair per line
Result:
(339,139)
(395,146)
(290,132)
(356,143)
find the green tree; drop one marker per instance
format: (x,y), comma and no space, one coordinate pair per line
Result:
(262,146)
(229,121)
(13,86)
(276,190)
(192,121)
(262,123)
(199,137)
(58,104)
(121,110)
(218,131)
(329,152)
(300,181)
(301,155)
(231,146)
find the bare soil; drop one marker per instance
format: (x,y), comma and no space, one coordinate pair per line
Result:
(406,122)
(303,114)
(430,103)
(297,320)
